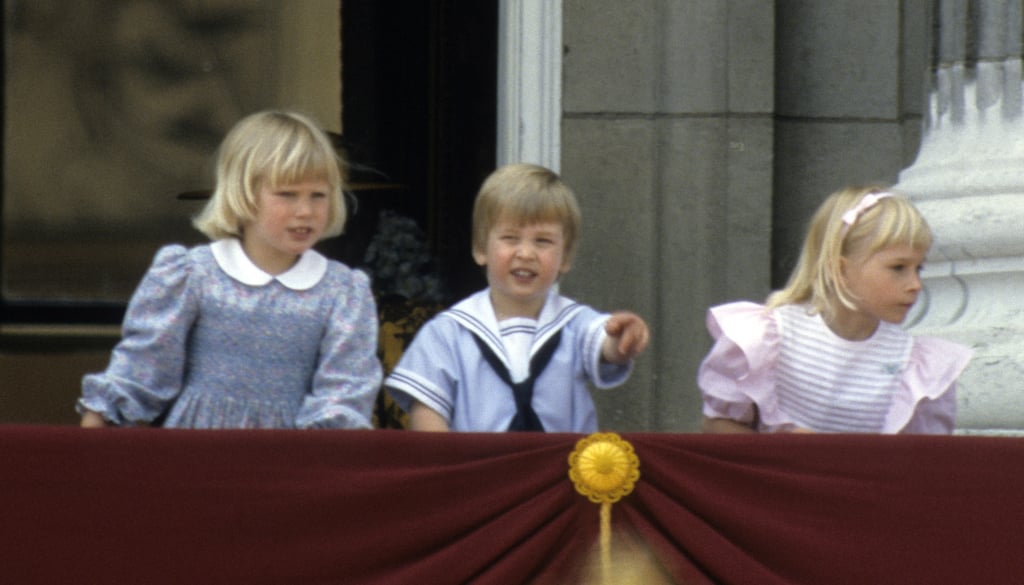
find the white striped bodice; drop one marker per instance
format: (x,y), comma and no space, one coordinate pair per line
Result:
(830,384)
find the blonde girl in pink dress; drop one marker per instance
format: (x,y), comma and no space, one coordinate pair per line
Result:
(827,353)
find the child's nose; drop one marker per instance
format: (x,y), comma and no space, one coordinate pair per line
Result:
(524,250)
(915,282)
(303,206)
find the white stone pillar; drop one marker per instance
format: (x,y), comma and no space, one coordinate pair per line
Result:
(530,82)
(968,180)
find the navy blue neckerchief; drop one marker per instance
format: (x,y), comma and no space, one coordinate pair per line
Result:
(525,418)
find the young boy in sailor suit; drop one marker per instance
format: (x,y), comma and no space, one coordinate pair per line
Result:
(517,356)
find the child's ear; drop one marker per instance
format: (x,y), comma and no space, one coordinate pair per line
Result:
(480,257)
(566,265)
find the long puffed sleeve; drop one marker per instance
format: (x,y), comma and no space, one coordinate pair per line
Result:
(348,375)
(147,366)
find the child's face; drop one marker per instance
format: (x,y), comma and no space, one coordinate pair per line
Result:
(523,263)
(289,220)
(885,284)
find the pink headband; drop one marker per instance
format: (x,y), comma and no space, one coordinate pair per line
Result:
(866,203)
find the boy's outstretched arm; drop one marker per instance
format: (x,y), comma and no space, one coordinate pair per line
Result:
(627,337)
(422,418)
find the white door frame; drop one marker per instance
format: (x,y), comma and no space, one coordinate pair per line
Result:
(530,82)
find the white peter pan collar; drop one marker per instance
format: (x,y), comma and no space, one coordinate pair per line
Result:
(231,258)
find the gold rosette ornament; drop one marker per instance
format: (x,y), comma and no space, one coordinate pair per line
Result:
(604,468)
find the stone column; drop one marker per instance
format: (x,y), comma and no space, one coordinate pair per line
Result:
(667,137)
(968,180)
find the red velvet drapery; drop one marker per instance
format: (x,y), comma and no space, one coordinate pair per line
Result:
(160,506)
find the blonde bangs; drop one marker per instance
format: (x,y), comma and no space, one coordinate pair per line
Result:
(892,222)
(526,206)
(287,162)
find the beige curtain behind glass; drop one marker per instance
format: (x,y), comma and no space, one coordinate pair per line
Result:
(112,107)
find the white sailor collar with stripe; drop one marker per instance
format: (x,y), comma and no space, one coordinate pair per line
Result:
(476,314)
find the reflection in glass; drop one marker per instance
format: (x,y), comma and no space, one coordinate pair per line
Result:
(112,107)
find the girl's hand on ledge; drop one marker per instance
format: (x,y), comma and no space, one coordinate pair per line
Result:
(93,420)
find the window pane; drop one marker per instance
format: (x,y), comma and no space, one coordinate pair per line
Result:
(115,107)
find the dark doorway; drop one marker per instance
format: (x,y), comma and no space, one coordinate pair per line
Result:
(419,86)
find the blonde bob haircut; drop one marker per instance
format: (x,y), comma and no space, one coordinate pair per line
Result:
(273,148)
(817,278)
(526,194)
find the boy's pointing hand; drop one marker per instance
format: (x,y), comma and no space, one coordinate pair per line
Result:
(628,336)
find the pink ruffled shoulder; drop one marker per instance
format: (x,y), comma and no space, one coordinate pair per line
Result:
(751,326)
(935,364)
(738,372)
(928,401)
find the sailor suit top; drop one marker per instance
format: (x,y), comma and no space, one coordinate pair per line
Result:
(445,370)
